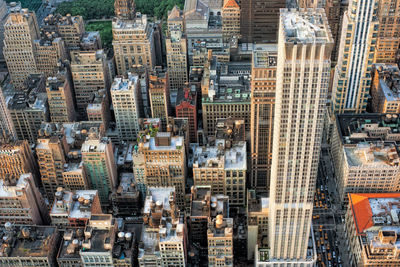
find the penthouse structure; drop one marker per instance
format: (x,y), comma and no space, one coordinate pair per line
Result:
(225,93)
(90,74)
(222,166)
(263,86)
(100,167)
(304,52)
(29,109)
(22,203)
(365,153)
(69,28)
(133,42)
(28,245)
(159,96)
(165,162)
(204,207)
(126,199)
(74,208)
(20,31)
(220,241)
(126,98)
(372,228)
(385,89)
(163,240)
(176,48)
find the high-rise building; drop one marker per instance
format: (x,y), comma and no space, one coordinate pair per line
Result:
(101,170)
(133,42)
(263,83)
(303,68)
(176,47)
(352,79)
(220,242)
(34,245)
(159,96)
(259,20)
(164,231)
(60,96)
(51,159)
(165,162)
(364,153)
(230,20)
(16,158)
(90,74)
(22,203)
(126,199)
(126,99)
(204,207)
(74,208)
(222,166)
(389,31)
(385,89)
(3,17)
(186,107)
(49,51)
(124,9)
(6,123)
(69,28)
(99,108)
(372,228)
(20,31)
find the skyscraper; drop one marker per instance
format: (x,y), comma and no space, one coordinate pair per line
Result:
(304,51)
(125,95)
(352,79)
(20,30)
(176,50)
(6,123)
(101,170)
(230,20)
(124,9)
(263,85)
(159,96)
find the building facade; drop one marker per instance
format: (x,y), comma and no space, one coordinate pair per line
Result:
(124,9)
(159,96)
(230,20)
(220,242)
(385,89)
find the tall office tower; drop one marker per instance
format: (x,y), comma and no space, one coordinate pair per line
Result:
(352,78)
(60,97)
(22,203)
(164,237)
(259,20)
(100,167)
(49,50)
(20,30)
(16,158)
(263,85)
(159,96)
(126,101)
(124,9)
(6,123)
(220,242)
(133,42)
(186,107)
(3,17)
(389,31)
(89,74)
(29,109)
(69,28)
(304,52)
(165,162)
(230,20)
(51,159)
(176,50)
(32,245)
(385,89)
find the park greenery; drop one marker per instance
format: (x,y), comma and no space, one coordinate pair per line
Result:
(98,9)
(32,5)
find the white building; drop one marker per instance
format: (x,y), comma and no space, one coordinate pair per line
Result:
(304,51)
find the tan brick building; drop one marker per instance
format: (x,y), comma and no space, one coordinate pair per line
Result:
(124,9)
(385,89)
(159,96)
(49,50)
(230,20)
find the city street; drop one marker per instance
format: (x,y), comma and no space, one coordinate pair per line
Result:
(327,218)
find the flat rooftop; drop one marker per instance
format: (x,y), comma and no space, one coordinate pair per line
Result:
(121,84)
(158,194)
(370,154)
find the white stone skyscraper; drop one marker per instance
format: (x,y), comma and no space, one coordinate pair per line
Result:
(352,80)
(303,69)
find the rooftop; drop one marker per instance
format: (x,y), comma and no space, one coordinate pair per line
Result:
(380,209)
(265,55)
(90,37)
(389,81)
(100,234)
(203,204)
(140,23)
(160,142)
(11,191)
(372,154)
(121,84)
(127,185)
